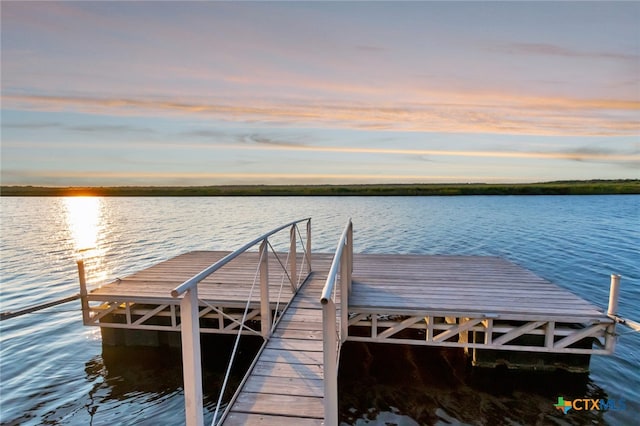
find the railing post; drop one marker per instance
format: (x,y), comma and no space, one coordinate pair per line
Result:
(614,291)
(293,259)
(191,362)
(84,303)
(265,306)
(330,363)
(309,244)
(344,293)
(350,253)
(612,311)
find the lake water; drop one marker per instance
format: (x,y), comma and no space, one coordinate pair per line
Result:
(54,370)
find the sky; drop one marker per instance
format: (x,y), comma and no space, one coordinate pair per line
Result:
(206,93)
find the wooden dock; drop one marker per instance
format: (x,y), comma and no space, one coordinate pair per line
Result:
(479,303)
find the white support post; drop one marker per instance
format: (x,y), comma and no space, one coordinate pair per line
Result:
(84,303)
(350,252)
(614,291)
(612,311)
(265,307)
(191,362)
(330,363)
(309,244)
(293,259)
(344,294)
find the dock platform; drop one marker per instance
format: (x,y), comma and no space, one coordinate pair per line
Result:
(305,310)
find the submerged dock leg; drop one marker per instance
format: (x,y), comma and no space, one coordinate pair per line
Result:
(191,362)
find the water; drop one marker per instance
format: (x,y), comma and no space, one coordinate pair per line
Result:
(54,370)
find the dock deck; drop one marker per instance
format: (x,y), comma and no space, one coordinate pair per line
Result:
(479,303)
(143,300)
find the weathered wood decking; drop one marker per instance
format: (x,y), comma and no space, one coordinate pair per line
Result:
(408,283)
(229,286)
(459,285)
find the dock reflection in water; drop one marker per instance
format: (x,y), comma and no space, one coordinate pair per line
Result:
(407,385)
(153,377)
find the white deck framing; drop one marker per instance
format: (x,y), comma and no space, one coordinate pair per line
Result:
(142,301)
(472,302)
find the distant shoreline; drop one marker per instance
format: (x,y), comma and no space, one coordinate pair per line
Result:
(586,187)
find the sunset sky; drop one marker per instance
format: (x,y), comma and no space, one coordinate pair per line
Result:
(200,93)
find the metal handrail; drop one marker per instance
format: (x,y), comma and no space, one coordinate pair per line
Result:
(188,284)
(333,271)
(333,336)
(190,313)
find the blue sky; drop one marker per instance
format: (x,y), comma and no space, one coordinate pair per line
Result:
(199,93)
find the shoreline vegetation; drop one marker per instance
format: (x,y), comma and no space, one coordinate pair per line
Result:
(583,187)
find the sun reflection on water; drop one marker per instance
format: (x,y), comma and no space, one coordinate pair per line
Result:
(85,222)
(83,219)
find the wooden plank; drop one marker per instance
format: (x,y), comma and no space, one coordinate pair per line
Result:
(292,357)
(285,386)
(298,334)
(280,369)
(295,344)
(287,405)
(285,324)
(248,419)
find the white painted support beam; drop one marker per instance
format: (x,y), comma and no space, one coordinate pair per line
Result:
(349,255)
(293,259)
(149,314)
(456,330)
(99,315)
(309,244)
(265,308)
(549,334)
(517,332)
(374,325)
(399,327)
(358,318)
(614,291)
(330,351)
(84,303)
(429,321)
(592,331)
(488,334)
(447,344)
(191,358)
(344,295)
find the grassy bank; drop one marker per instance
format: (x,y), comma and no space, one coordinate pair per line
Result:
(591,187)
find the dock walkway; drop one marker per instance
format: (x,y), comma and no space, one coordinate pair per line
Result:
(286,385)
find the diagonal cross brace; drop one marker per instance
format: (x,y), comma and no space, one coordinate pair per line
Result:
(457,330)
